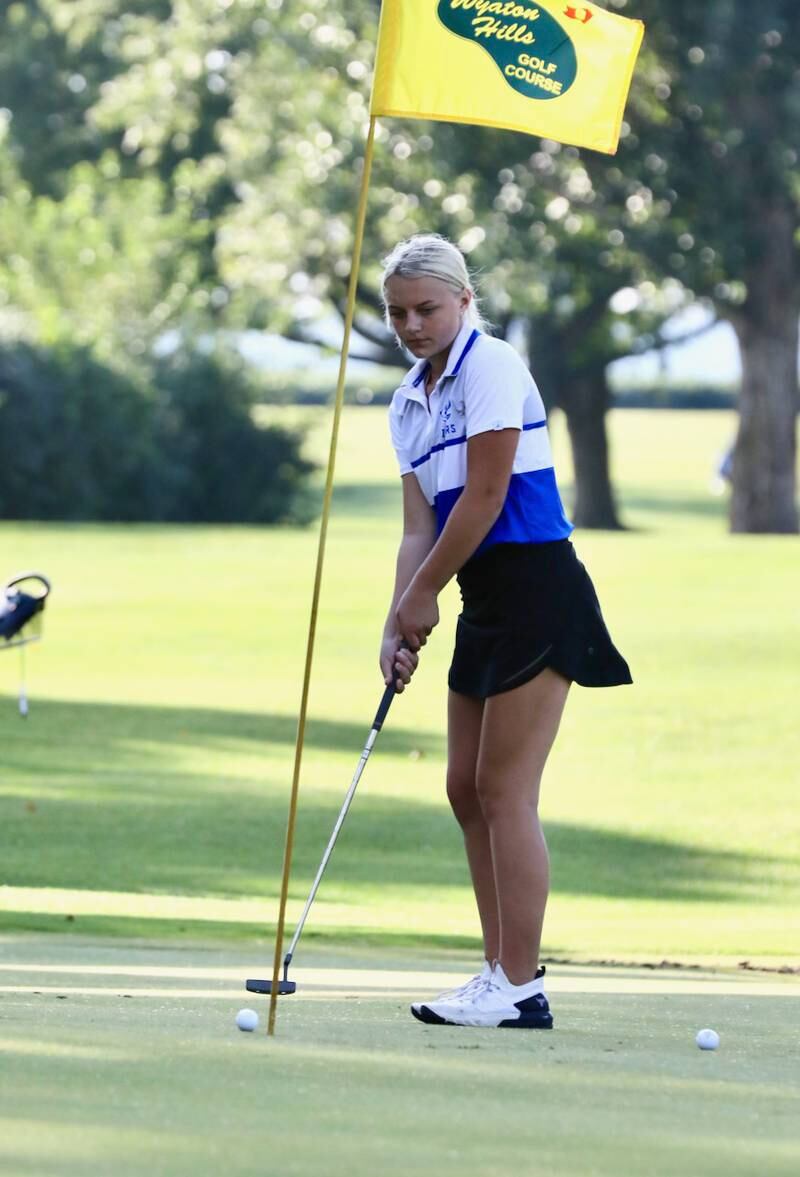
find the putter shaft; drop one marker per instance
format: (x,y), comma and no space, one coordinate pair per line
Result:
(286,986)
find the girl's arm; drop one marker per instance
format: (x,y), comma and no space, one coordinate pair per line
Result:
(490,459)
(419,536)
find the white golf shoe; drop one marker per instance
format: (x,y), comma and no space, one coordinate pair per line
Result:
(457,995)
(492,1002)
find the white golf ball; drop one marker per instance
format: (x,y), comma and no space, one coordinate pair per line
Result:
(707,1039)
(247,1019)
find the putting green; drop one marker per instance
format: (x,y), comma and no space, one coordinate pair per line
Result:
(122,1057)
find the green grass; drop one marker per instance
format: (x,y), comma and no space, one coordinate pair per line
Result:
(123,1058)
(143,808)
(147,792)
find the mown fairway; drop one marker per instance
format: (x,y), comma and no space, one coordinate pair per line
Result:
(146,797)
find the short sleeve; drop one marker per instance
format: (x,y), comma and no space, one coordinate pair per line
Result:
(496,388)
(396,433)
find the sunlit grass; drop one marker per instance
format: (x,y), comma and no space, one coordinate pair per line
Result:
(156,761)
(124,1058)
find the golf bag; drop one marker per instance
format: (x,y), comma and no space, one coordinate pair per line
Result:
(22,603)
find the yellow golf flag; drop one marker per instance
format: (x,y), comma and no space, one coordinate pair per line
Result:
(549,68)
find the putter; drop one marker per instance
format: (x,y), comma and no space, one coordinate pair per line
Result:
(286,986)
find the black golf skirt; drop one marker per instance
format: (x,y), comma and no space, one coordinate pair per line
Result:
(527,607)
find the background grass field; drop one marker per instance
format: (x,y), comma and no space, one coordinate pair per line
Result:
(142,815)
(147,792)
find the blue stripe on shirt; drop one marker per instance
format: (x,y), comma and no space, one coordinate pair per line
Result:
(532,512)
(475,335)
(437,449)
(460,441)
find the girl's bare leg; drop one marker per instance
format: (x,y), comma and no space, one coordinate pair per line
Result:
(517,733)
(464,722)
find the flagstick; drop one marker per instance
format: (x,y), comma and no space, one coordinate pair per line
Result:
(323,532)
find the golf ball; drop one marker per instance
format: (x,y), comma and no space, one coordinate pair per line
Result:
(247,1019)
(707,1039)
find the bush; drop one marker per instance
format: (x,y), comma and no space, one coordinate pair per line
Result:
(75,441)
(225,468)
(79,441)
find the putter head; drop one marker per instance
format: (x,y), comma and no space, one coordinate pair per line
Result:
(284,987)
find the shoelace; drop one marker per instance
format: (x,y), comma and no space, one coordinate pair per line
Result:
(482,985)
(468,990)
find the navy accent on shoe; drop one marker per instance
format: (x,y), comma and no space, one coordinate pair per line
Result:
(423,1014)
(534,1014)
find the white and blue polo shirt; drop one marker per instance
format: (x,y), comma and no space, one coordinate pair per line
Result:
(485,386)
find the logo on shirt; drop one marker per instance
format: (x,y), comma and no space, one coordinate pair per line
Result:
(449,427)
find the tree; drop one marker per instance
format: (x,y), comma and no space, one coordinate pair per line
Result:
(723,147)
(107,241)
(255,124)
(244,124)
(105,264)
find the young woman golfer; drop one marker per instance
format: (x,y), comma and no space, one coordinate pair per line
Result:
(480,503)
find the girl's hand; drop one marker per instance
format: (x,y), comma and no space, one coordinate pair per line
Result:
(397,662)
(417,614)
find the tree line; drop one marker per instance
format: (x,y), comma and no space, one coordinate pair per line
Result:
(192,166)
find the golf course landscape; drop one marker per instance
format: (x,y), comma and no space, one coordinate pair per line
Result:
(143,808)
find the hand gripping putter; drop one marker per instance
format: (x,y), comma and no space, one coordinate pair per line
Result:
(286,986)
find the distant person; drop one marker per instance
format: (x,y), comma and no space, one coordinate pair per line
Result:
(723,473)
(480,503)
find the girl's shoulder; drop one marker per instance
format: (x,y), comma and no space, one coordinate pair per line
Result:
(398,403)
(494,357)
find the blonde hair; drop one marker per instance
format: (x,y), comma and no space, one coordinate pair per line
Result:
(429,255)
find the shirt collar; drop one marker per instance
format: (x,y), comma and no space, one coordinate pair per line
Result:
(461,345)
(412,385)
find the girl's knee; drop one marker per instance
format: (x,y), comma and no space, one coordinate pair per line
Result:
(463,797)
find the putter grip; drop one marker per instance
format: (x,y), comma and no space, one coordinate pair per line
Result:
(383,709)
(386,701)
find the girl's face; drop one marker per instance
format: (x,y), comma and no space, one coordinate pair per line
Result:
(426,313)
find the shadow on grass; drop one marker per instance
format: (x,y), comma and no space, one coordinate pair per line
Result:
(211,932)
(634,499)
(101,800)
(642,499)
(60,737)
